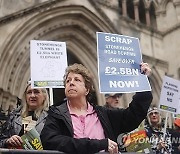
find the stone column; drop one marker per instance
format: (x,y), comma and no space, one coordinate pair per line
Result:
(1,96)
(136,12)
(124,8)
(148,21)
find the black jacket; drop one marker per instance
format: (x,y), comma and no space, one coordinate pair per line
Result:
(57,133)
(175,140)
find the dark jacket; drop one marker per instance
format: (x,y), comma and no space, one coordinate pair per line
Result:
(175,139)
(57,133)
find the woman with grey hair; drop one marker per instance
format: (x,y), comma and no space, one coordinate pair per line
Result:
(160,142)
(31,113)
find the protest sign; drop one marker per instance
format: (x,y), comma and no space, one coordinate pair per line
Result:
(176,116)
(31,140)
(119,59)
(178,109)
(135,141)
(48,63)
(169,98)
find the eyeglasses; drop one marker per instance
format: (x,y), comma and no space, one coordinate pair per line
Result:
(156,113)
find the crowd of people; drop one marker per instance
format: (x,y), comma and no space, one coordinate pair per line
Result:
(78,125)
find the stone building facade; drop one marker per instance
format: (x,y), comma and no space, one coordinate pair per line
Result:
(155,22)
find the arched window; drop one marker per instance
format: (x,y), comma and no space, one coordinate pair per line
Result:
(152,15)
(120,7)
(142,13)
(130,9)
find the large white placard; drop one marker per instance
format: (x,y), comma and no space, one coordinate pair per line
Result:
(48,63)
(169,99)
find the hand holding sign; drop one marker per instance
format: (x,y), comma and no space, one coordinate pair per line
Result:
(145,69)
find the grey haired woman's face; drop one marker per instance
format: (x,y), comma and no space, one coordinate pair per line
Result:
(34,98)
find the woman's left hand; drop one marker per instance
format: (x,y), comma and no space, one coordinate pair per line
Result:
(14,141)
(112,147)
(145,69)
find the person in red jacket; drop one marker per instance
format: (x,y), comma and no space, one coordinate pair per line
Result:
(80,127)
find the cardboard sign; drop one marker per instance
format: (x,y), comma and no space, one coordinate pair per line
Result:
(48,63)
(169,99)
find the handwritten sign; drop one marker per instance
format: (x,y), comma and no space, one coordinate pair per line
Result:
(48,63)
(119,59)
(169,99)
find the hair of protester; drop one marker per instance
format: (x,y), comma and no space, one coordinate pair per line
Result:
(85,73)
(38,111)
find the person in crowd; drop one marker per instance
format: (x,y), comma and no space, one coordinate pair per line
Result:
(78,126)
(31,113)
(160,142)
(112,100)
(175,137)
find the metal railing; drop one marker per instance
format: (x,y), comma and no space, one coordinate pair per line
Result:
(21,151)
